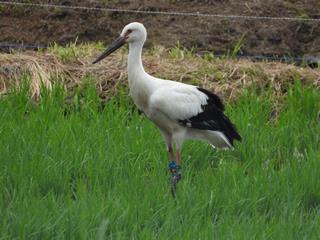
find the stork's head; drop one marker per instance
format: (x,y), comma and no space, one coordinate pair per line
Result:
(131,33)
(134,32)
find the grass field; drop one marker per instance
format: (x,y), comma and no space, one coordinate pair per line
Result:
(78,169)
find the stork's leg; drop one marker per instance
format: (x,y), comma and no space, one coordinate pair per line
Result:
(171,152)
(168,140)
(172,164)
(178,162)
(175,171)
(173,167)
(178,156)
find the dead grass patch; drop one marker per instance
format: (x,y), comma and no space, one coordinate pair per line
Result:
(225,77)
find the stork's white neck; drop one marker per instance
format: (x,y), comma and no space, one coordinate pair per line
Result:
(141,84)
(135,67)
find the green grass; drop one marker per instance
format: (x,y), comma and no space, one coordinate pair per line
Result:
(72,51)
(81,170)
(180,52)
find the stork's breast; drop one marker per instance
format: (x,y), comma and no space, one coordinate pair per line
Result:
(140,98)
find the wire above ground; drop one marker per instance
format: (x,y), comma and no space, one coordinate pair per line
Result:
(165,13)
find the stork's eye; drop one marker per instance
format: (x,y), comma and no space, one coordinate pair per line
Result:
(129,31)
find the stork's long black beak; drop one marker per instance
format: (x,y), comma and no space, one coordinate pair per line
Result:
(119,42)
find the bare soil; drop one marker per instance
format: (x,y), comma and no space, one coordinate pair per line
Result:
(42,26)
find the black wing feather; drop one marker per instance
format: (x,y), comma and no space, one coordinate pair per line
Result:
(213,118)
(212,99)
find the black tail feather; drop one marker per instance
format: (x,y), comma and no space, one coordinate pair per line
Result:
(229,129)
(213,118)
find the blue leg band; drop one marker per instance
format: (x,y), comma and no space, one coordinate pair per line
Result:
(172,165)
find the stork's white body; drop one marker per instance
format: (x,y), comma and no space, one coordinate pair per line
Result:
(179,110)
(165,101)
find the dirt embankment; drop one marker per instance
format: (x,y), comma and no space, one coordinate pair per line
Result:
(42,26)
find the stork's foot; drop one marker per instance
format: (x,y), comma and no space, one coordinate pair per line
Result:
(175,176)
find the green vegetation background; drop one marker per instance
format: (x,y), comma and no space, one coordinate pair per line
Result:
(74,168)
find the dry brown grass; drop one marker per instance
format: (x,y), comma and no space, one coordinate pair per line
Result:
(225,77)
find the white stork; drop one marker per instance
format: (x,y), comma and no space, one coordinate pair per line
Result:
(179,110)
